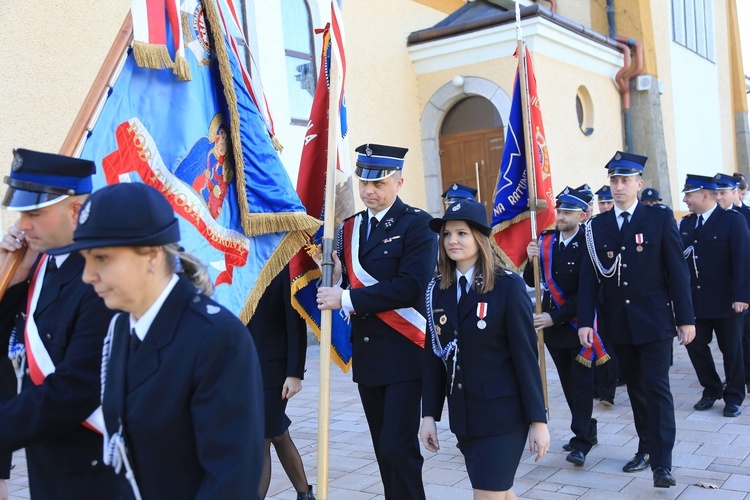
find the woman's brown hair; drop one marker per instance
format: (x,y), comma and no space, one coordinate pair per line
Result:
(486,263)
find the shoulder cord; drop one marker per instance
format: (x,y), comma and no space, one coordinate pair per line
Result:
(690,251)
(115,452)
(606,273)
(440,351)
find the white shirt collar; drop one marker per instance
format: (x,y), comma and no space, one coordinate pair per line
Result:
(469,277)
(142,325)
(380,214)
(707,213)
(60,259)
(568,240)
(630,210)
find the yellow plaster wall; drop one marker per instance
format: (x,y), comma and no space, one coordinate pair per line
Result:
(575,158)
(381,90)
(446,6)
(50,52)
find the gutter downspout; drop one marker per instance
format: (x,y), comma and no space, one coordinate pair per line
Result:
(623,77)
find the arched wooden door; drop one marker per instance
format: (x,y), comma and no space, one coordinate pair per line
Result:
(471,146)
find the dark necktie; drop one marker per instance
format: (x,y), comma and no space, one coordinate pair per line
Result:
(625,221)
(50,270)
(135,342)
(562,245)
(462,287)
(373,225)
(700,222)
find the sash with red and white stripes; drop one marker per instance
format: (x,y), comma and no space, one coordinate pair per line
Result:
(39,361)
(407,321)
(596,353)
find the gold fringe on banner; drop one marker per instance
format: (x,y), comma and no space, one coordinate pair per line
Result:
(585,362)
(253,224)
(289,246)
(182,68)
(603,359)
(148,55)
(277,144)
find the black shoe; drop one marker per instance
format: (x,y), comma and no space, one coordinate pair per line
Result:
(306,495)
(576,457)
(639,462)
(663,478)
(567,447)
(705,403)
(607,401)
(732,411)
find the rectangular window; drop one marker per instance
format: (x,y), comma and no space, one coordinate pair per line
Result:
(693,26)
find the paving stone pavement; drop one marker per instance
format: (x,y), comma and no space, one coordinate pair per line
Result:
(710,449)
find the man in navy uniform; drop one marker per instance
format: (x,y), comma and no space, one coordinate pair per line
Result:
(388,254)
(561,252)
(587,195)
(604,199)
(738,195)
(643,280)
(717,245)
(56,325)
(458,192)
(650,196)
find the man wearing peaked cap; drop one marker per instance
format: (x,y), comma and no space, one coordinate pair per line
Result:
(650,196)
(458,192)
(587,194)
(53,413)
(717,243)
(640,275)
(388,254)
(561,252)
(604,199)
(723,190)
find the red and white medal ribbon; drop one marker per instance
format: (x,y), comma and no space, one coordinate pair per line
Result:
(481,313)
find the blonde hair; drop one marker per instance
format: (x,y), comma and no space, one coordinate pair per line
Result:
(487,262)
(189,264)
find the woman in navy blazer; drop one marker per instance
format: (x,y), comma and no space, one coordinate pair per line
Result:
(481,354)
(182,394)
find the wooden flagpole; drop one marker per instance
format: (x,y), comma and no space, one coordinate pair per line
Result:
(326,317)
(98,92)
(523,75)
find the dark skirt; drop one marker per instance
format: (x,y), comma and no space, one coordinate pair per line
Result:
(492,461)
(276,420)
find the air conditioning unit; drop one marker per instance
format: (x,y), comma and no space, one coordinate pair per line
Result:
(643,82)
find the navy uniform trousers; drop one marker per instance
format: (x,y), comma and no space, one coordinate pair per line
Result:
(64,458)
(400,253)
(718,278)
(640,308)
(561,339)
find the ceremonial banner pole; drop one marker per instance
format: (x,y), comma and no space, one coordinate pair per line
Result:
(97,94)
(531,180)
(326,317)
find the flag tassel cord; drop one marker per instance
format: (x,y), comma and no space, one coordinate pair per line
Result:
(531,179)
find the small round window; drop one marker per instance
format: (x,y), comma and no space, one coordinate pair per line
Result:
(585,111)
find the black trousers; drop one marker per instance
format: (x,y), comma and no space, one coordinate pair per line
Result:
(729,332)
(746,347)
(606,375)
(645,369)
(577,383)
(393,414)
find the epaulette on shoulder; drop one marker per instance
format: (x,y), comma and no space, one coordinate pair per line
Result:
(548,231)
(414,211)
(207,308)
(688,215)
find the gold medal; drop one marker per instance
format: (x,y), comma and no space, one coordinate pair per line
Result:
(639,248)
(443,319)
